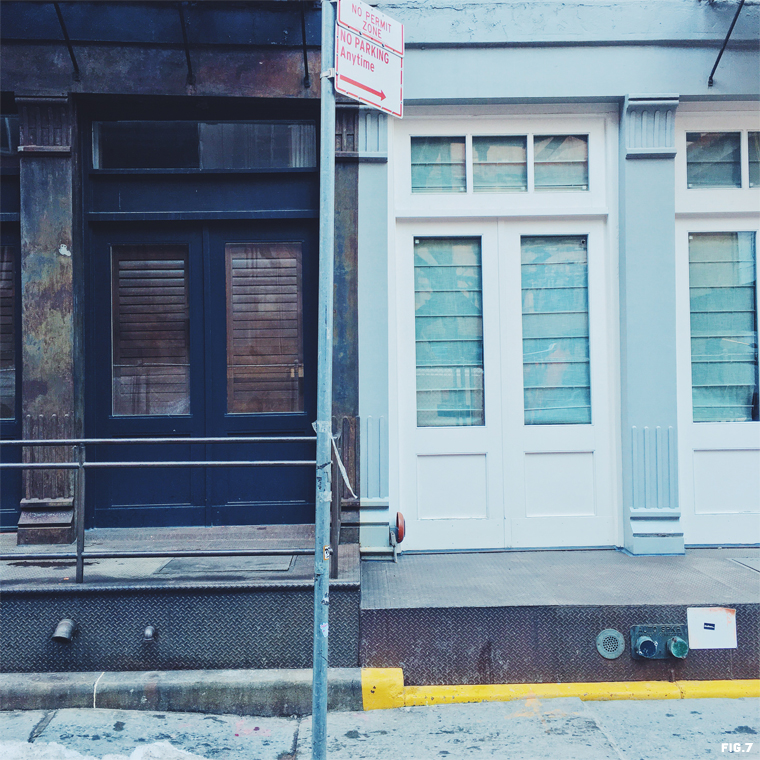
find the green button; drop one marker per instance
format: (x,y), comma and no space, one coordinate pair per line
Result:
(678,647)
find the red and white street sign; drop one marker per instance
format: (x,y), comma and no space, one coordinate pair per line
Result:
(368,72)
(369,22)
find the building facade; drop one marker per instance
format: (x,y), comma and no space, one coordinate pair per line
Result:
(568,274)
(545,273)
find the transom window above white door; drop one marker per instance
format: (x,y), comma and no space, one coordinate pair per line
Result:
(717,160)
(499,163)
(548,164)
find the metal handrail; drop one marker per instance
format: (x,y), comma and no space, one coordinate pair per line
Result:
(170,439)
(81,465)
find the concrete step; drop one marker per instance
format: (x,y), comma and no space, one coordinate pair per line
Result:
(277,692)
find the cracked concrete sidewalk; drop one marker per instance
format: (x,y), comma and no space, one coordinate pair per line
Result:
(530,729)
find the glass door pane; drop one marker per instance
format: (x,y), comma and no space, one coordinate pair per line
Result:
(448,321)
(723,297)
(151,335)
(265,357)
(555,327)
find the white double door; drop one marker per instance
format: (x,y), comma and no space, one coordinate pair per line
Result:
(505,483)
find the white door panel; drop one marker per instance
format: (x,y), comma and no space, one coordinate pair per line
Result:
(505,483)
(450,476)
(719,462)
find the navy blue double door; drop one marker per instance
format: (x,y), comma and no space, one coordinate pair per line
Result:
(199,330)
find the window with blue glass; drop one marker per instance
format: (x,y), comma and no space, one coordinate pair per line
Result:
(713,159)
(560,162)
(448,307)
(438,165)
(753,139)
(724,352)
(555,329)
(499,164)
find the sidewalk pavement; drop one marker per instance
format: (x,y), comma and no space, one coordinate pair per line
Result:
(532,729)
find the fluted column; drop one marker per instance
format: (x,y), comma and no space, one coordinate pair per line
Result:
(648,325)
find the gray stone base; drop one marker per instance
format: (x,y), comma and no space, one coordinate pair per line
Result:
(656,543)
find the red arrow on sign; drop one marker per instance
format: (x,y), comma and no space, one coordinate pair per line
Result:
(380,94)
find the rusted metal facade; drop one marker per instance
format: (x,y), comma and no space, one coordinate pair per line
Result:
(199,56)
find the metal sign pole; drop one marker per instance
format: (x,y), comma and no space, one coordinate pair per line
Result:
(323,426)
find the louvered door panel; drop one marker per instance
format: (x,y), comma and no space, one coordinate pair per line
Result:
(151,341)
(264,328)
(7,332)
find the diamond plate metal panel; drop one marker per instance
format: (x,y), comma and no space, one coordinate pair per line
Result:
(543,644)
(196,629)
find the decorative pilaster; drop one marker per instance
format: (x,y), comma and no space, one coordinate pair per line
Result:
(373,331)
(373,136)
(650,126)
(47,312)
(648,326)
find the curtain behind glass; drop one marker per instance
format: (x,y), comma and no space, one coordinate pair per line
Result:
(151,330)
(438,165)
(560,162)
(753,139)
(556,373)
(448,305)
(713,159)
(723,296)
(499,163)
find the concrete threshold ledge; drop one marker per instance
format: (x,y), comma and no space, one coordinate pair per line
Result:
(284,693)
(238,692)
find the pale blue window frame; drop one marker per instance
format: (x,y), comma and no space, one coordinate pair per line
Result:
(724,345)
(713,160)
(448,317)
(439,165)
(555,328)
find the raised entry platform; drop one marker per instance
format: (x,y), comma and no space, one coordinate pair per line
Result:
(209,613)
(533,617)
(21,573)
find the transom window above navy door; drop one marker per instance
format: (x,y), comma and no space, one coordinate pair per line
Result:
(203,145)
(8,135)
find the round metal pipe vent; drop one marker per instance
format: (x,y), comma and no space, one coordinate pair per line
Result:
(64,631)
(610,644)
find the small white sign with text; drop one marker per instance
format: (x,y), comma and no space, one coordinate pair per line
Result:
(711,627)
(368,72)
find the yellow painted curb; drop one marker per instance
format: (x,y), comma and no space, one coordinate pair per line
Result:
(724,689)
(437,695)
(383,688)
